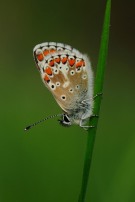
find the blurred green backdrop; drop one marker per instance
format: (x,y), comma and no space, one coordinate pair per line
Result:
(45,164)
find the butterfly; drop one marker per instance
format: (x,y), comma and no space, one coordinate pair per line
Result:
(68,75)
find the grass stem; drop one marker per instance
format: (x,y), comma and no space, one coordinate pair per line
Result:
(98,88)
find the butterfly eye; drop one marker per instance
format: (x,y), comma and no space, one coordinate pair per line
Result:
(65,120)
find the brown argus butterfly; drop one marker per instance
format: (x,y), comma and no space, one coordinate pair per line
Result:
(69,77)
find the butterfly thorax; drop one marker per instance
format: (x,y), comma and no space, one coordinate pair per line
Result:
(81,111)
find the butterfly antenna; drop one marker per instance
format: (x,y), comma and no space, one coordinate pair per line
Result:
(36,123)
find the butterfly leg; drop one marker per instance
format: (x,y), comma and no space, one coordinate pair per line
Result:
(98,94)
(85,127)
(84,120)
(94,116)
(88,100)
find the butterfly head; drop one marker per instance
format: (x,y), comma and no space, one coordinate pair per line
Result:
(65,121)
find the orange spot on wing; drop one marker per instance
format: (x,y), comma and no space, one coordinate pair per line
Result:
(51,63)
(46,52)
(48,71)
(79,64)
(64,60)
(40,57)
(46,78)
(71,62)
(52,50)
(57,60)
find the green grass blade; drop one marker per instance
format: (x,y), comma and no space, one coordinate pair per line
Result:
(98,88)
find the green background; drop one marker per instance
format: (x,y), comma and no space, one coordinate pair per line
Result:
(46,163)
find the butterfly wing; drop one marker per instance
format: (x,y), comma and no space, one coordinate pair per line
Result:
(65,72)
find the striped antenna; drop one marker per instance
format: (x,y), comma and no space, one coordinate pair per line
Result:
(36,123)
